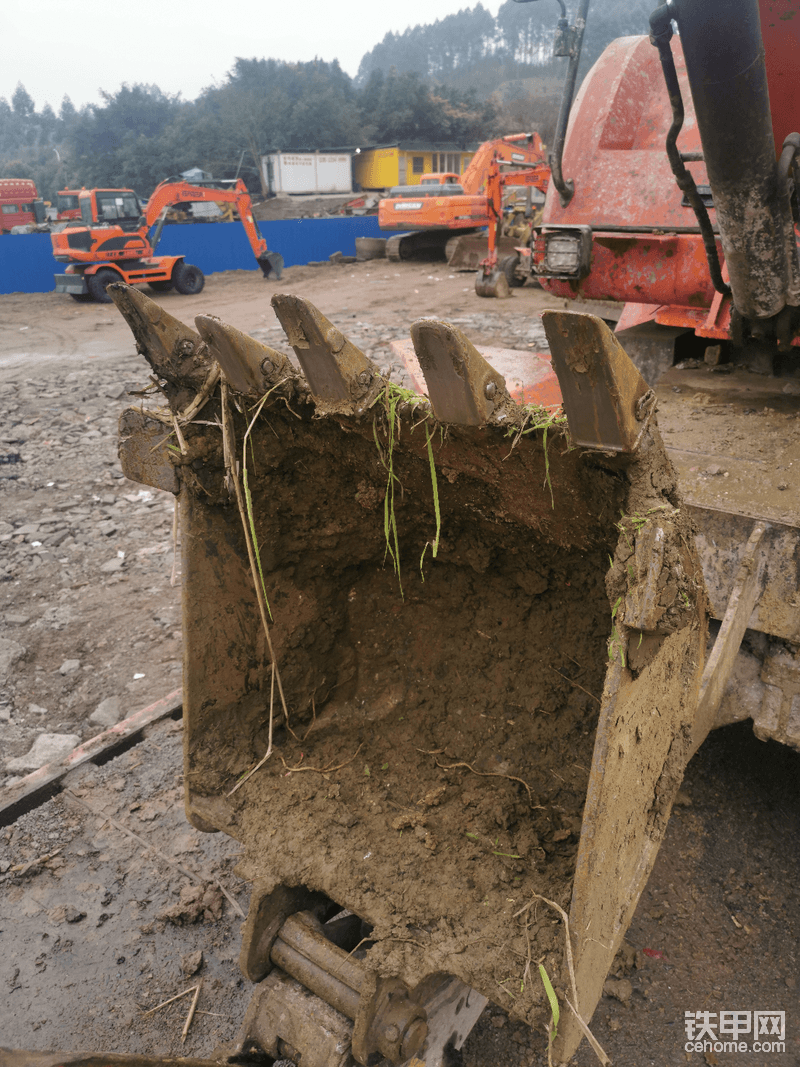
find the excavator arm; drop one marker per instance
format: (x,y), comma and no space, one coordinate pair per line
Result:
(522,149)
(169,193)
(490,280)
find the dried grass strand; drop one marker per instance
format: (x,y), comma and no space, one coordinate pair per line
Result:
(492,774)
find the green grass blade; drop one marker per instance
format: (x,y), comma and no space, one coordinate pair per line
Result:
(553,999)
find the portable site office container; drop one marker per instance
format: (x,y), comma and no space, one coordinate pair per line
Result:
(308,172)
(384,166)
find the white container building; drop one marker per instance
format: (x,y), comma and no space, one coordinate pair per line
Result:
(308,172)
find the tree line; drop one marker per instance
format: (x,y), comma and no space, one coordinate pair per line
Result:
(140,135)
(519,37)
(461,80)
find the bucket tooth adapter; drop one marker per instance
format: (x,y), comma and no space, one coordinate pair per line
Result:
(441,669)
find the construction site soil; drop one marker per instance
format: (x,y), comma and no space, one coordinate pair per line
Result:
(96,928)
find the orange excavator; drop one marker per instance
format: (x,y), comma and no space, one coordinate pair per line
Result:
(496,276)
(113,243)
(436,210)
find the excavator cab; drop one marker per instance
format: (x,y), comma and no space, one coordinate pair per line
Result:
(112,207)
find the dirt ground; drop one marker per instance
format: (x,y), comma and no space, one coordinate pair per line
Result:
(92,627)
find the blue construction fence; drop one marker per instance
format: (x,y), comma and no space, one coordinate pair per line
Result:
(27,264)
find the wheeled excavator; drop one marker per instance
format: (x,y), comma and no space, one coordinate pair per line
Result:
(436,213)
(447,651)
(113,243)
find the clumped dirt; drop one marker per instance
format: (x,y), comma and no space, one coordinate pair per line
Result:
(472,666)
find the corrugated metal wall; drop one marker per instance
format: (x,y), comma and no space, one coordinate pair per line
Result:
(27,264)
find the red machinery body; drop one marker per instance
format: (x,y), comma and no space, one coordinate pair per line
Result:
(68,204)
(640,239)
(19,204)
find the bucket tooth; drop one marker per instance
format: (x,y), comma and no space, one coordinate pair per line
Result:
(339,375)
(174,351)
(463,388)
(250,366)
(607,402)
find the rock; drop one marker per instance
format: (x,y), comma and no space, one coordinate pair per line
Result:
(619,988)
(196,902)
(16,620)
(192,963)
(112,566)
(107,713)
(45,749)
(10,653)
(69,666)
(34,709)
(714,469)
(73,915)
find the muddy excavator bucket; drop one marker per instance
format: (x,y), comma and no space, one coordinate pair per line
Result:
(466,252)
(492,283)
(441,668)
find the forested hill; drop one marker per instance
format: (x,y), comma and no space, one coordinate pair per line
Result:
(463,79)
(520,36)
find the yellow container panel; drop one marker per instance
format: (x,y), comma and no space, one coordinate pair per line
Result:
(417,164)
(377,168)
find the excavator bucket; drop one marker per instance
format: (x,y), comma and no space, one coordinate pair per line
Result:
(467,252)
(492,283)
(271,263)
(441,668)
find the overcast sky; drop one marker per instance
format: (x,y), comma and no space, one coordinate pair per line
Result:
(55,47)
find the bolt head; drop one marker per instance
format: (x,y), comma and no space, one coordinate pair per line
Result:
(414,1038)
(365,377)
(490,390)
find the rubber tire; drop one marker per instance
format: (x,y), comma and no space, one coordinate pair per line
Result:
(508,267)
(96,284)
(161,287)
(187,279)
(82,298)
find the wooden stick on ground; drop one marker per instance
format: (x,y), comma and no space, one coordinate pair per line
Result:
(190,1016)
(199,879)
(164,1003)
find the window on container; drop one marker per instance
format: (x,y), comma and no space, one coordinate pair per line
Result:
(10,209)
(417,164)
